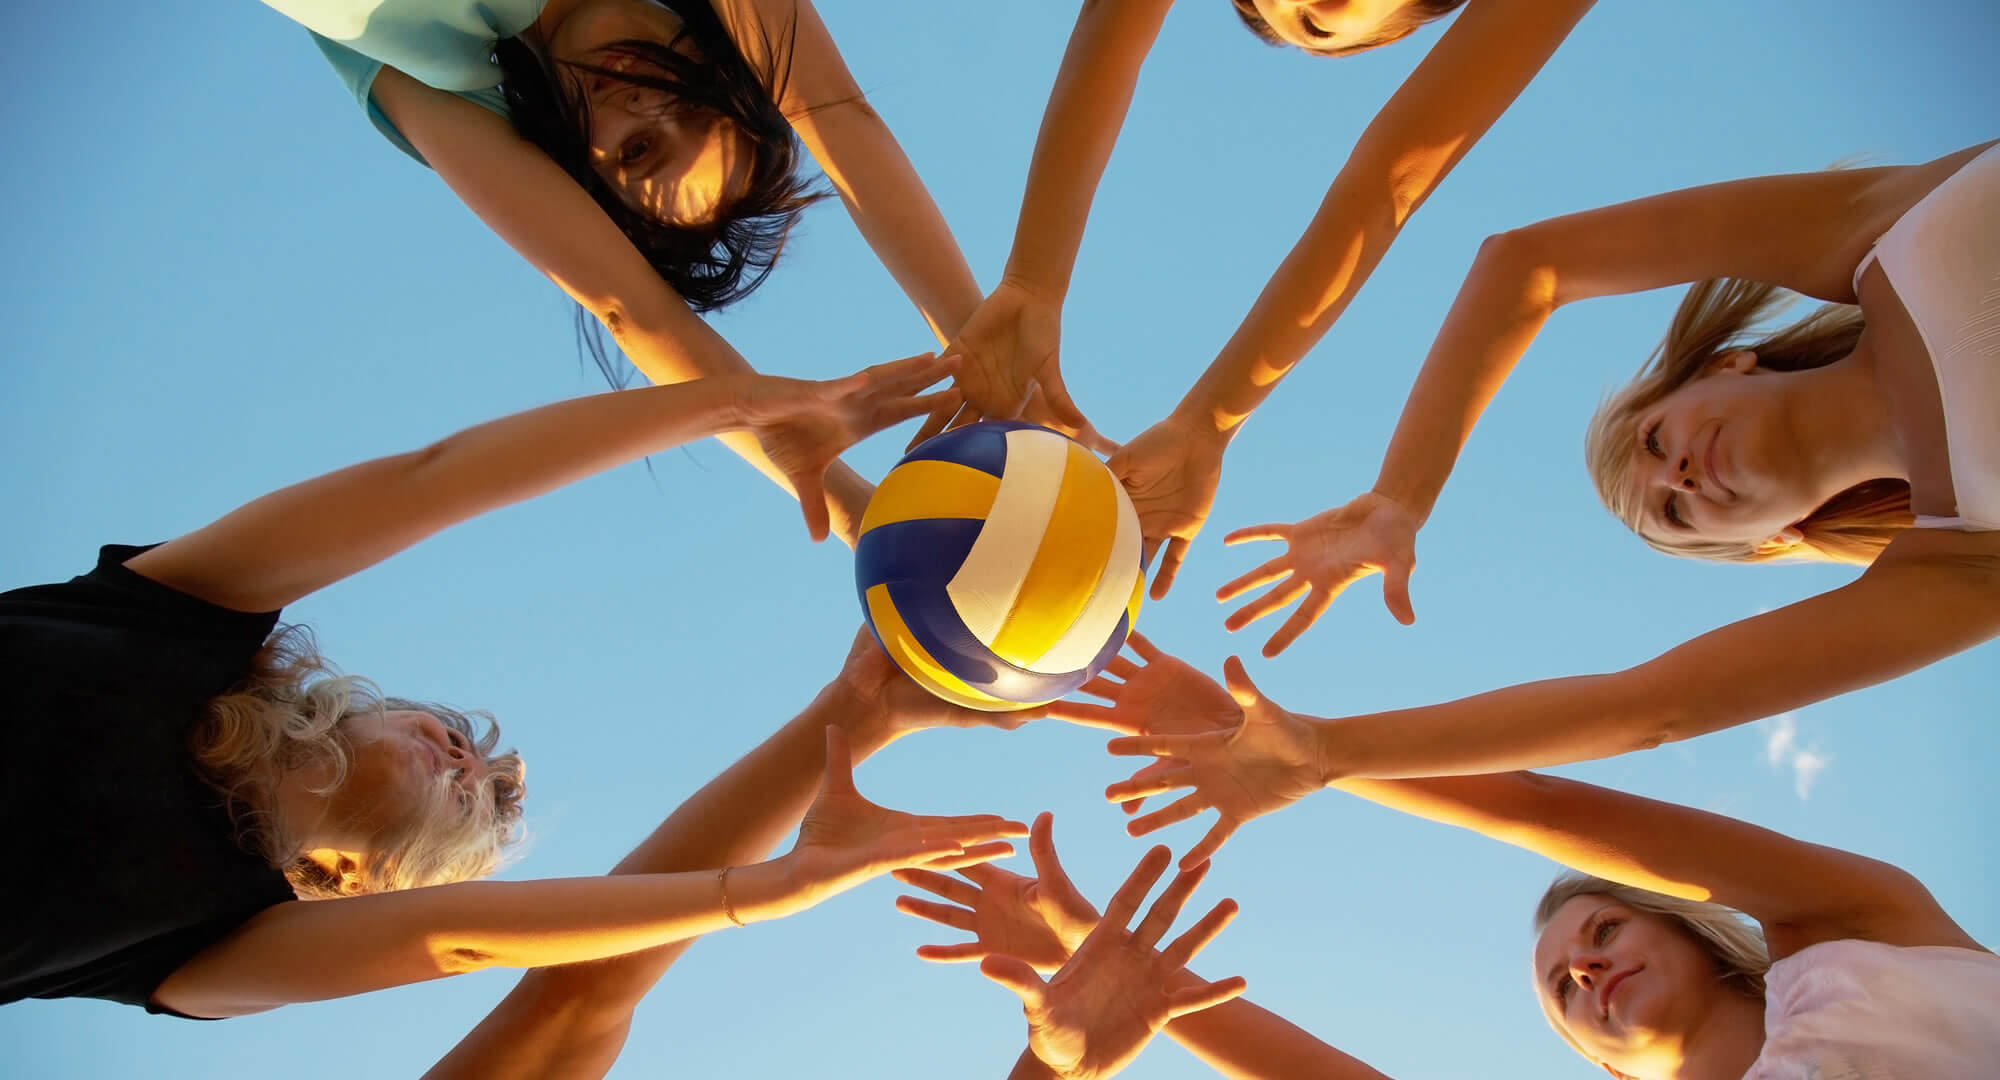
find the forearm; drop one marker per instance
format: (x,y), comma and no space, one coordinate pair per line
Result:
(572,1020)
(1498,312)
(1533,725)
(1087,106)
(670,344)
(896,215)
(1351,232)
(1242,1041)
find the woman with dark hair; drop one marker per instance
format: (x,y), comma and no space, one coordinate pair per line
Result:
(1473,73)
(179,774)
(1684,946)
(644,155)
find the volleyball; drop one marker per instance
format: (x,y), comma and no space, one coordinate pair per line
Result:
(999,565)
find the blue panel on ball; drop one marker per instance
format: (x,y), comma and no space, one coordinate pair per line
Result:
(981,446)
(927,611)
(928,550)
(1110,648)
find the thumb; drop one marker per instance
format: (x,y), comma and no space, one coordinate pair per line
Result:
(1014,973)
(1396,592)
(812,503)
(1240,687)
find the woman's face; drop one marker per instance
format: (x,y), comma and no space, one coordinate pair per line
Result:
(1332,26)
(1628,986)
(398,759)
(674,164)
(1715,459)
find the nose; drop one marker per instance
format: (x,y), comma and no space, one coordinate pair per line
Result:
(1677,471)
(1587,968)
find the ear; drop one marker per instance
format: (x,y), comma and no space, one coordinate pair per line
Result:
(1784,541)
(1733,362)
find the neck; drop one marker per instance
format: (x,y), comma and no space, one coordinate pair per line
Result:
(1842,424)
(1727,1041)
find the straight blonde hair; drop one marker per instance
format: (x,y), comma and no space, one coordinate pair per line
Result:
(1717,318)
(288,714)
(1730,938)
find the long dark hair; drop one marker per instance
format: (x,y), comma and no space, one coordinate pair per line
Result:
(714,264)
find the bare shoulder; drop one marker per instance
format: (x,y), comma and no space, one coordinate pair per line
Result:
(1885,194)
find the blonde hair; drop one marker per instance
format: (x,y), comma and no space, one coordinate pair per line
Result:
(288,715)
(1730,938)
(1715,318)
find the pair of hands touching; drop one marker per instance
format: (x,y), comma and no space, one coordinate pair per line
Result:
(1008,358)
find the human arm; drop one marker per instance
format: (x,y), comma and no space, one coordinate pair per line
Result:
(529,202)
(1471,76)
(1013,339)
(1805,232)
(270,552)
(302,951)
(572,1020)
(860,156)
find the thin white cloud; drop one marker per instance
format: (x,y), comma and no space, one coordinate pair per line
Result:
(1783,751)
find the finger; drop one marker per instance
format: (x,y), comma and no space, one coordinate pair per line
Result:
(1194,999)
(1101,686)
(963,953)
(1170,567)
(933,424)
(1181,809)
(955,917)
(1096,716)
(951,888)
(1131,806)
(1280,595)
(1197,937)
(973,855)
(894,412)
(1301,621)
(1146,549)
(1158,745)
(1275,570)
(1206,848)
(970,827)
(812,502)
(913,372)
(1048,868)
(1144,785)
(1276,530)
(1396,592)
(1143,645)
(966,415)
(1122,668)
(1125,902)
(1167,907)
(1015,974)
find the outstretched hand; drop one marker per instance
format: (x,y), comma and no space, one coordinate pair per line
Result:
(1267,760)
(1171,471)
(1012,344)
(1102,1008)
(805,426)
(887,704)
(1041,920)
(1159,695)
(1324,554)
(845,839)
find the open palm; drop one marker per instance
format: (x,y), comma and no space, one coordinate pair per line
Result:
(1324,554)
(1041,920)
(1170,471)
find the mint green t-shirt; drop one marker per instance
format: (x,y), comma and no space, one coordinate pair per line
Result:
(447,44)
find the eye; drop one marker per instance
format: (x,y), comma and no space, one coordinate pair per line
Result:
(1603,932)
(1653,441)
(1311,28)
(1563,986)
(635,150)
(1671,511)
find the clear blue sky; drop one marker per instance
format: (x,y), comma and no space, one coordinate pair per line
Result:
(220,280)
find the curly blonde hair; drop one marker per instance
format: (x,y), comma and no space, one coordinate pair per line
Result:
(1717,318)
(288,714)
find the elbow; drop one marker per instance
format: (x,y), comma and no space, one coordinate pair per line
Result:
(460,959)
(1519,257)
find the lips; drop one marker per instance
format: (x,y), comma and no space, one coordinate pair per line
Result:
(1708,463)
(1611,986)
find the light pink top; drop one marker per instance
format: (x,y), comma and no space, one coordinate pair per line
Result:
(1861,1010)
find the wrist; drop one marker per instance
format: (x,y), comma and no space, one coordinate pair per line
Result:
(1410,502)
(1041,286)
(863,718)
(1333,752)
(760,892)
(1205,420)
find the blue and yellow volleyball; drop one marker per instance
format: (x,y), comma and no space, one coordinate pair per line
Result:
(999,565)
